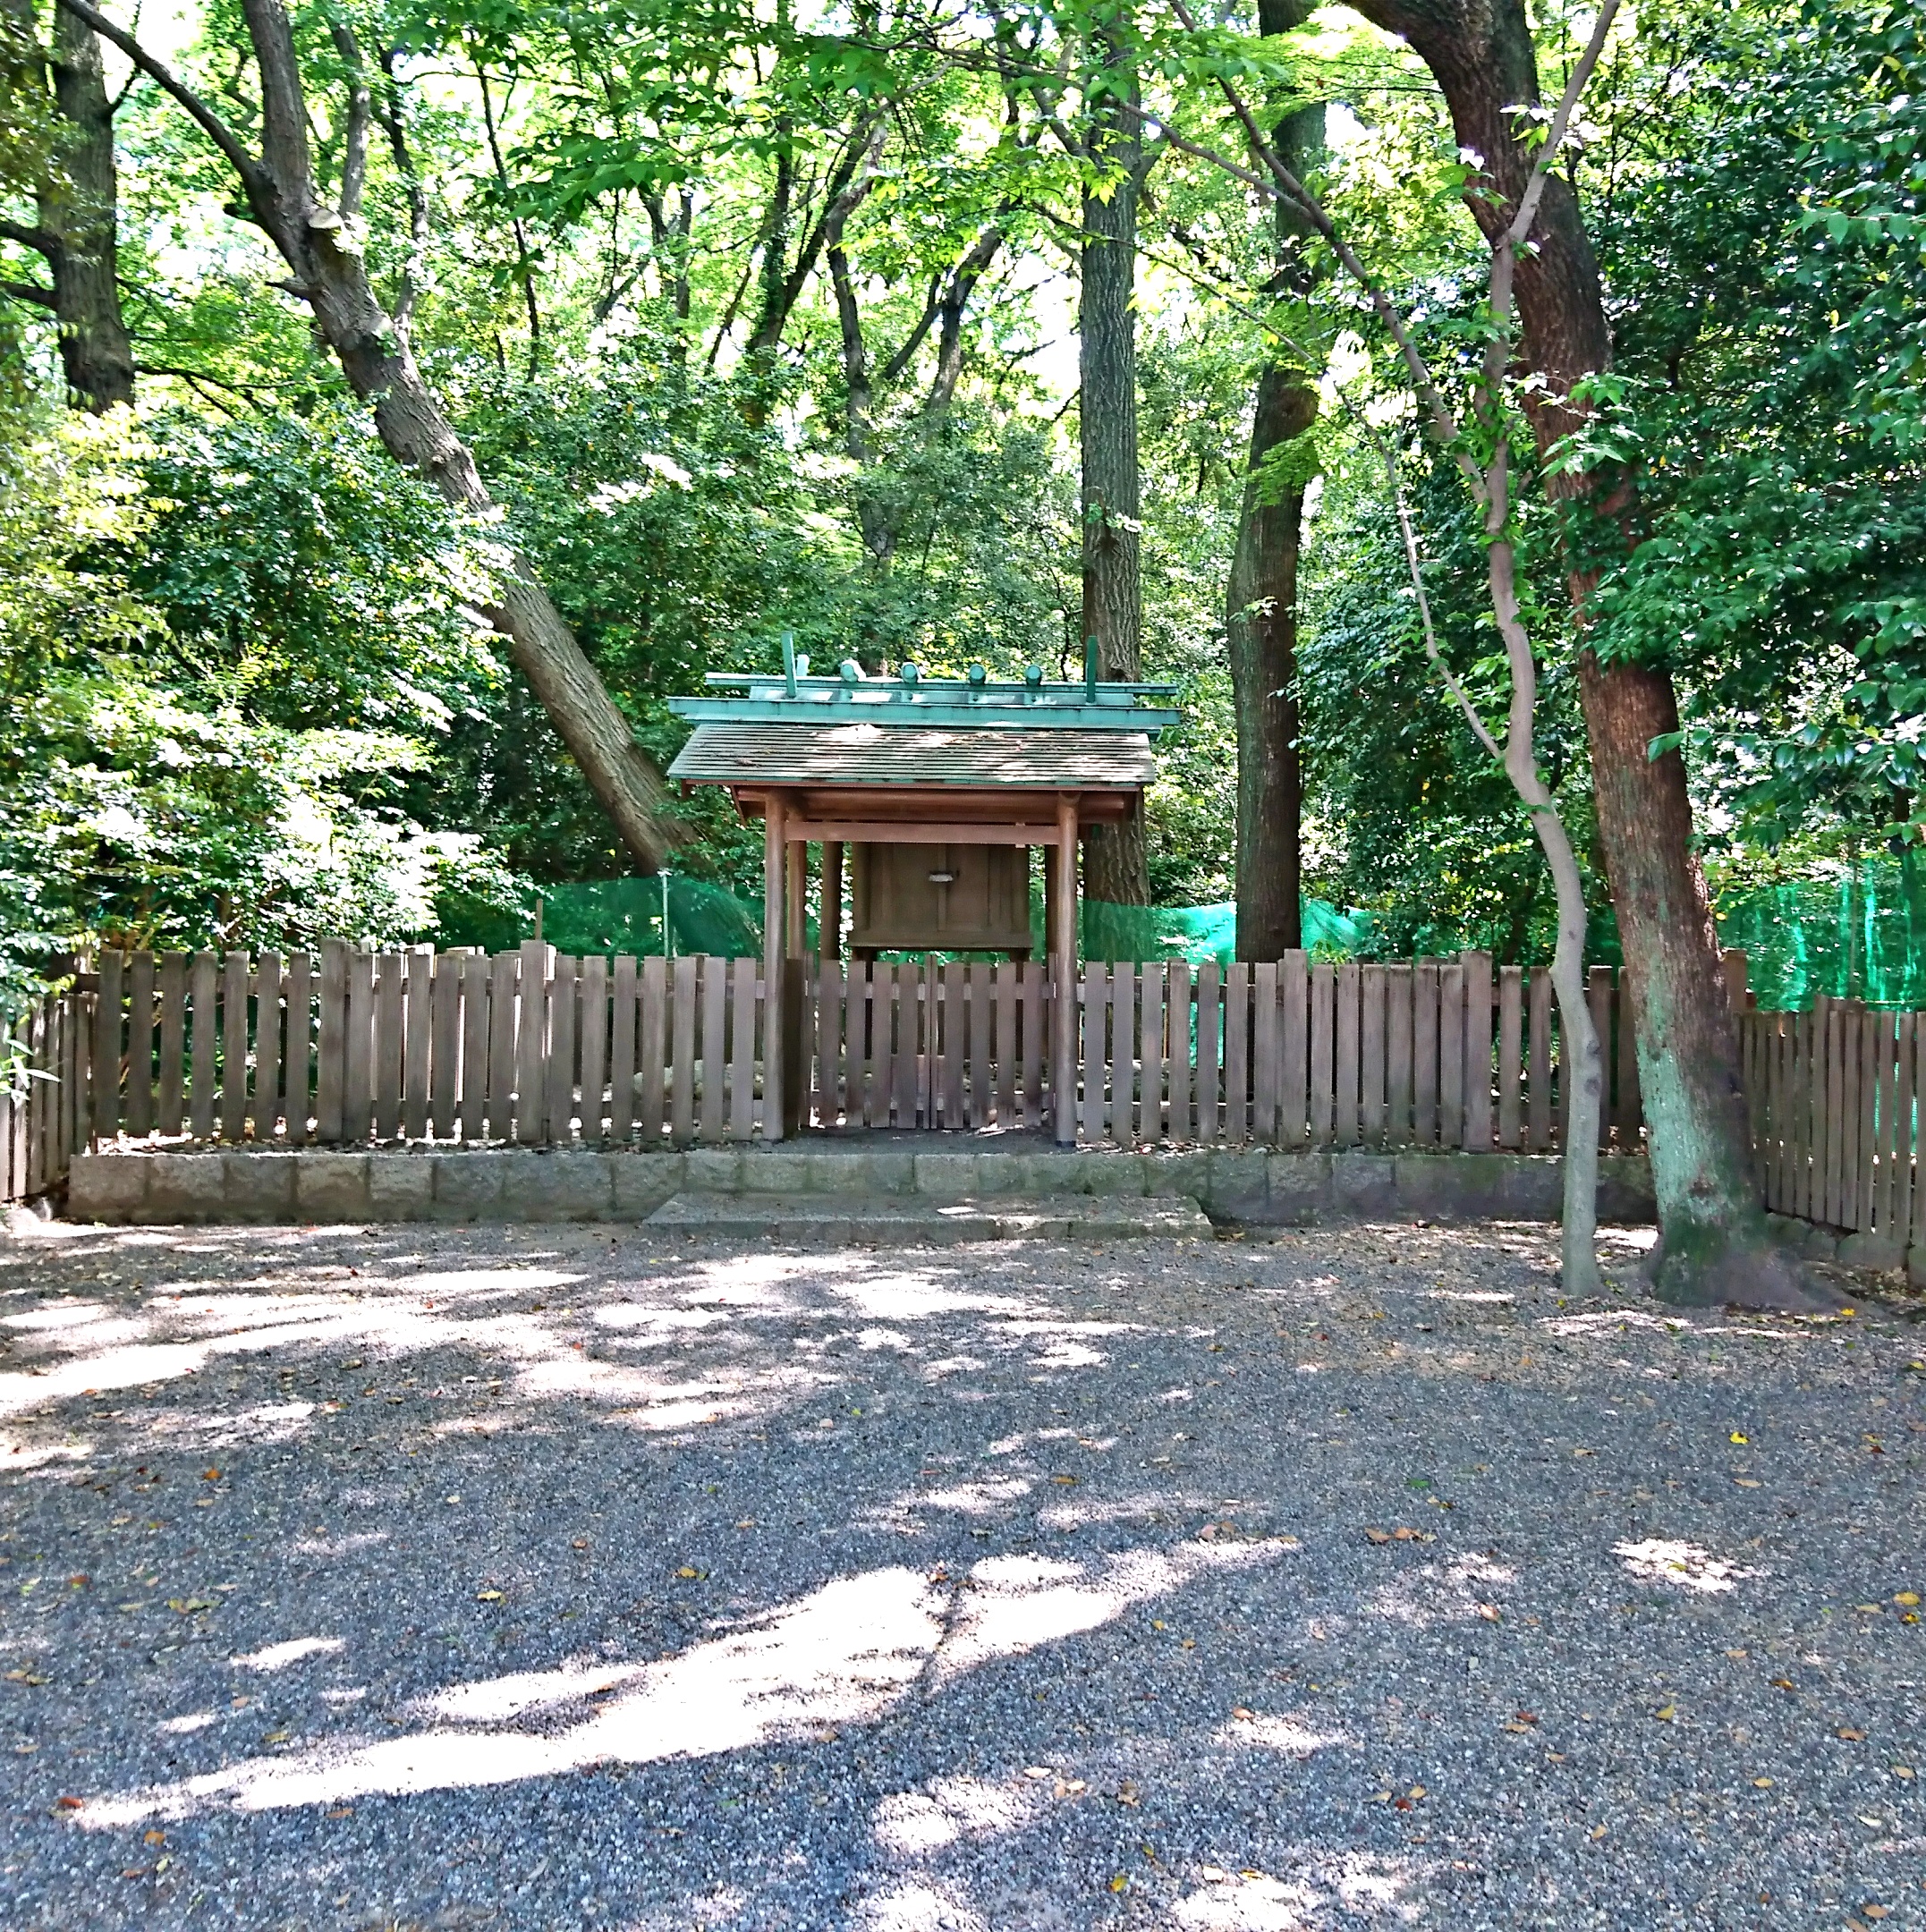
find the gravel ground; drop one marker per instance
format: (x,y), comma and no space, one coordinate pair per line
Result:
(545,1577)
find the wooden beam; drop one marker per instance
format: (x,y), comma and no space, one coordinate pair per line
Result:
(918,832)
(1064,972)
(773,867)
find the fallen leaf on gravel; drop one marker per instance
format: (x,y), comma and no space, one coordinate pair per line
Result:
(1383,1797)
(1782,1683)
(1189,1643)
(1902,1771)
(71,1804)
(135,1871)
(1243,1716)
(1851,1736)
(1070,1788)
(1666,1713)
(1584,1452)
(276,1737)
(1871,1609)
(1037,1771)
(1521,1729)
(1737,1653)
(1488,1611)
(487,1596)
(153,1838)
(1067,1481)
(1598,1831)
(341,1811)
(1745,1482)
(1910,1599)
(827,1737)
(1763,1784)
(212,1475)
(1417,1790)
(1876,1911)
(691,1573)
(1378,1536)
(23,1676)
(1736,1438)
(1120,1882)
(1127,1793)
(187,1606)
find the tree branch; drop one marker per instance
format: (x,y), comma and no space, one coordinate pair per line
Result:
(209,123)
(27,292)
(354,140)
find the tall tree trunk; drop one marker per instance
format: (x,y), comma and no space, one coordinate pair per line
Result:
(77,219)
(329,271)
(94,349)
(1712,1234)
(1115,862)
(1260,615)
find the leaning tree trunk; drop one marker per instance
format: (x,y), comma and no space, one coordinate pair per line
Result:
(84,212)
(1713,1241)
(1117,861)
(1262,597)
(330,271)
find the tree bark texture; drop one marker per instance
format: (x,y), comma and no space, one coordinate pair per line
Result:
(329,270)
(1711,1230)
(78,218)
(1260,615)
(1262,629)
(1116,857)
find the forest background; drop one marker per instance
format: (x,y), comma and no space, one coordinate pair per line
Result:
(757,318)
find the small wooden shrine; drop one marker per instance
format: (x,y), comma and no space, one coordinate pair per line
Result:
(936,788)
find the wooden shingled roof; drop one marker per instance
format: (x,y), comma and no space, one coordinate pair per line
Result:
(867,754)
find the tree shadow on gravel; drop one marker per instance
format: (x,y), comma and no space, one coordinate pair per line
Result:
(536,1578)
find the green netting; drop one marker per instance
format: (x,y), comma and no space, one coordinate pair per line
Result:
(1860,934)
(1200,933)
(625,915)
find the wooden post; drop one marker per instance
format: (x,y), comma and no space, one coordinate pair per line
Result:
(829,919)
(1737,976)
(1064,972)
(774,866)
(795,899)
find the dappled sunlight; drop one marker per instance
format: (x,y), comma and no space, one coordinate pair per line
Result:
(912,1824)
(847,1653)
(278,1657)
(1600,1321)
(1326,1891)
(1297,1735)
(1663,1560)
(921,1905)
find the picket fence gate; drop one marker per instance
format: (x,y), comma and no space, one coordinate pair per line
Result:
(346,1046)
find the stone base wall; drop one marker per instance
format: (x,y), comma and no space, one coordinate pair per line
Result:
(165,1188)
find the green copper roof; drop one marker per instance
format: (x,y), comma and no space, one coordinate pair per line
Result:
(973,703)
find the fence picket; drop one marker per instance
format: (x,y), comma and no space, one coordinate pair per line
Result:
(877,1042)
(592,1023)
(266,1112)
(742,1045)
(1237,1030)
(531,1043)
(109,1000)
(1371,1004)
(946,981)
(1180,1115)
(1121,1040)
(1152,1059)
(1347,1036)
(1095,1013)
(651,1051)
(1884,1035)
(1265,1052)
(713,1049)
(1209,1049)
(1033,1022)
(915,1030)
(1511,1066)
(297,1057)
(331,1045)
(1866,1141)
(1400,990)
(1538,1111)
(414,973)
(1477,1050)
(1323,1049)
(203,1027)
(681,1054)
(1900,1207)
(472,1094)
(391,1041)
(444,1042)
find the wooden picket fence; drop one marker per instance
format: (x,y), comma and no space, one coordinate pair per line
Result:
(347,1047)
(1835,1100)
